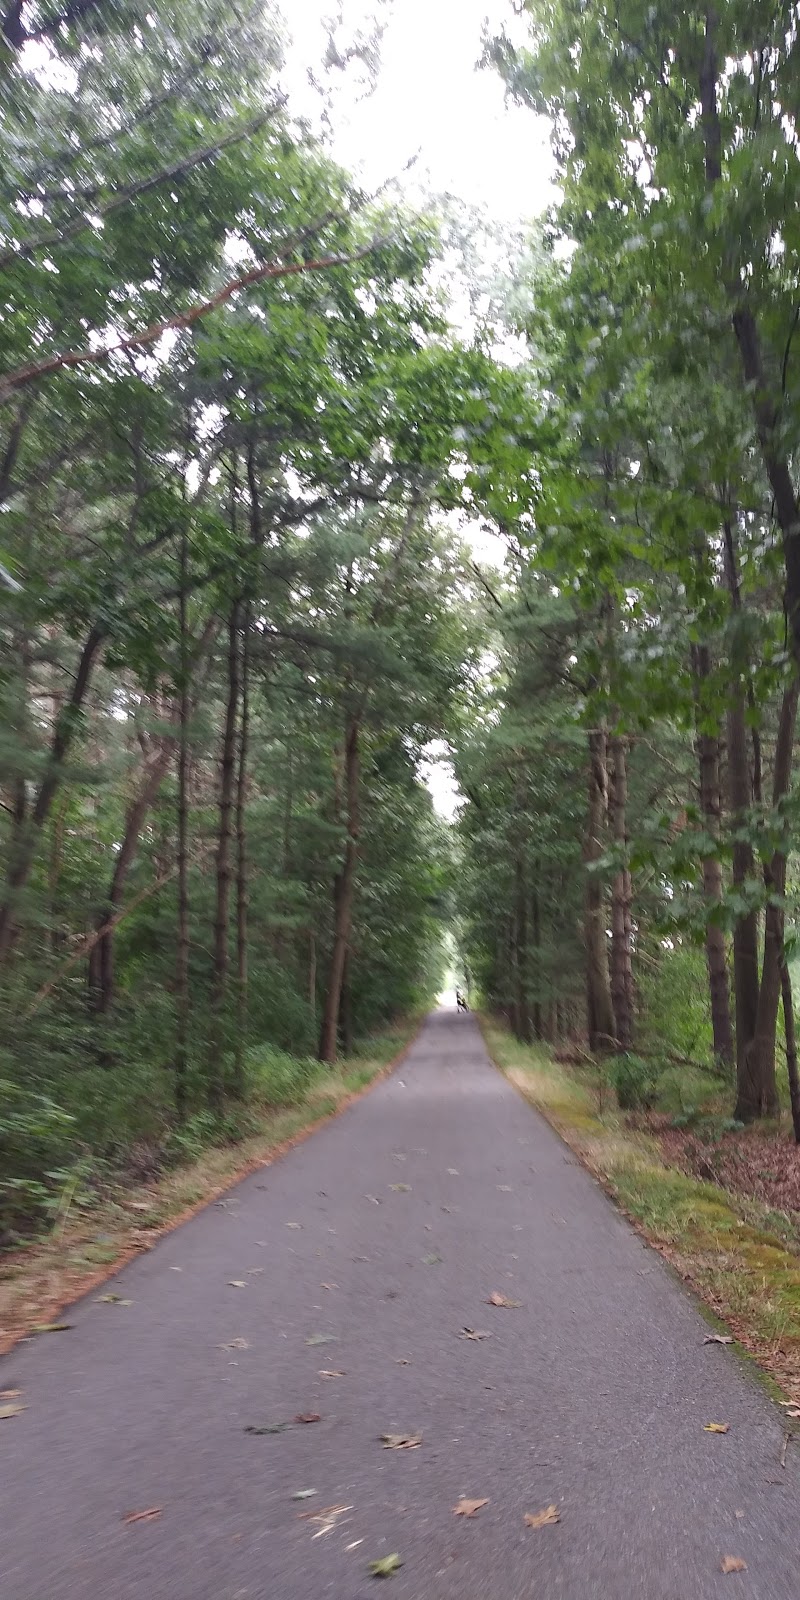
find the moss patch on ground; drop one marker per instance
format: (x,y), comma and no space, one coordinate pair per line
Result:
(741,1257)
(87,1246)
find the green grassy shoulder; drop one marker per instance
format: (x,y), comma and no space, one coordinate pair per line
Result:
(88,1242)
(742,1259)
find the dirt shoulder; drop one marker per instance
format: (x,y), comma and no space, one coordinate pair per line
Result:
(720,1217)
(89,1245)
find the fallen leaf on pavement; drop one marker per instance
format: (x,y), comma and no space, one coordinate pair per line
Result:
(542,1519)
(452,1172)
(321,1338)
(236,1283)
(235,1344)
(294,1224)
(330,1372)
(402,1361)
(401,1441)
(329,1286)
(469,1508)
(354,1544)
(716,1427)
(373,1198)
(52,1327)
(10,1394)
(504,1188)
(474,1333)
(326,1519)
(11,1411)
(308,1416)
(718,1338)
(793,1414)
(267,1427)
(497,1299)
(431,1261)
(303,1494)
(113,1299)
(385,1566)
(149,1515)
(732,1564)
(400,1188)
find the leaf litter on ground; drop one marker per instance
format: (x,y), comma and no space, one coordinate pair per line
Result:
(469,1508)
(718,1338)
(385,1566)
(716,1427)
(542,1519)
(732,1564)
(114,1299)
(401,1441)
(497,1299)
(308,1416)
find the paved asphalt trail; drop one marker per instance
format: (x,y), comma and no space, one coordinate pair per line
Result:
(593,1394)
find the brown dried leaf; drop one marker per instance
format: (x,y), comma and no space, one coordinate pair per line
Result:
(150,1515)
(11,1411)
(401,1441)
(497,1299)
(542,1519)
(718,1338)
(308,1416)
(468,1508)
(10,1394)
(716,1427)
(732,1564)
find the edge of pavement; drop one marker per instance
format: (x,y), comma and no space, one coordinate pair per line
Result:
(139,1241)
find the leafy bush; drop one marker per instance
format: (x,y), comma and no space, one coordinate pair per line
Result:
(635,1082)
(278,1079)
(36,1153)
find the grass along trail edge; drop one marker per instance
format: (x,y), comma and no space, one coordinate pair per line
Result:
(39,1281)
(741,1258)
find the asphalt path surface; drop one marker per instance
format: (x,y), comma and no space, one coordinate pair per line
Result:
(384,1235)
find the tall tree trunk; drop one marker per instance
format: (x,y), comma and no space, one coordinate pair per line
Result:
(765,397)
(752,1097)
(101,957)
(791,1048)
(707,745)
(219,986)
(182,943)
(536,930)
(621,961)
(521,975)
(762,1046)
(343,889)
(64,731)
(241,864)
(600,1015)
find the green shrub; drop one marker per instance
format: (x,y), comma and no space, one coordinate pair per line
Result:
(275,1078)
(635,1082)
(36,1154)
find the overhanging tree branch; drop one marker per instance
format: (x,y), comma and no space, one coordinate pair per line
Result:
(21,376)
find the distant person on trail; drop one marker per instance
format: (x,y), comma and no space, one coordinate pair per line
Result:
(461,1001)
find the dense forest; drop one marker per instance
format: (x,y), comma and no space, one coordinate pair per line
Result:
(244,445)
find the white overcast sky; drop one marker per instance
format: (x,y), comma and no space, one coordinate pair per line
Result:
(431,105)
(431,102)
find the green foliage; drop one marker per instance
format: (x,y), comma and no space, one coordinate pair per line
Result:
(635,1082)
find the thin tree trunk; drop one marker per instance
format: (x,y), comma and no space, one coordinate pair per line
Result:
(762,1046)
(600,1015)
(241,864)
(101,960)
(182,945)
(791,1048)
(312,972)
(342,897)
(536,929)
(64,731)
(521,950)
(219,987)
(708,756)
(621,964)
